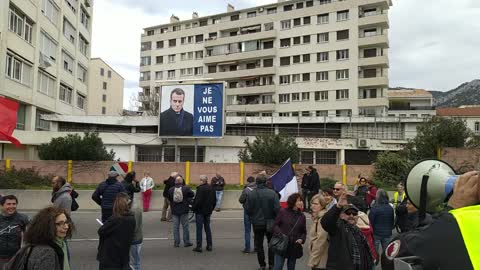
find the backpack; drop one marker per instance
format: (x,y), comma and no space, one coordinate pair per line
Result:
(75,205)
(20,260)
(178,195)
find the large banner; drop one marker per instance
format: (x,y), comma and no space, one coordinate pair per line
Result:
(194,110)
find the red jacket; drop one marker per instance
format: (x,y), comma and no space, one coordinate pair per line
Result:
(371,194)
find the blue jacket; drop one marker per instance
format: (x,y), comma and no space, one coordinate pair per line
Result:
(382,220)
(106,193)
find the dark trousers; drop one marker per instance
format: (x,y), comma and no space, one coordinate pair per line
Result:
(106,213)
(203,221)
(259,234)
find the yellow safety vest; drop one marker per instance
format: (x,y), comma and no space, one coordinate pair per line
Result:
(468,219)
(395,198)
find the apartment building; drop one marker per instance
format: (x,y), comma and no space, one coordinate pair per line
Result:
(105,89)
(44,58)
(407,102)
(285,60)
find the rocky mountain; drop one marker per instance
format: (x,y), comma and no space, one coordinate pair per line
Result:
(465,94)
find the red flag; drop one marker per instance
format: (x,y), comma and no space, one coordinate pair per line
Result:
(8,120)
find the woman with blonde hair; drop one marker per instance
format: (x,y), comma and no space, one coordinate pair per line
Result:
(318,236)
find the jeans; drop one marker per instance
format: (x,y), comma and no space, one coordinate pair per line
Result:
(106,213)
(280,261)
(203,221)
(146,196)
(135,256)
(219,195)
(167,210)
(259,234)
(183,219)
(381,243)
(247,224)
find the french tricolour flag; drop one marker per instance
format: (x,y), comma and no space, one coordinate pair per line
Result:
(284,182)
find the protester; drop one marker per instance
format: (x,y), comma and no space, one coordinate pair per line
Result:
(329,197)
(382,218)
(131,185)
(371,193)
(247,223)
(363,223)
(218,183)
(61,197)
(180,197)
(407,217)
(146,186)
(337,190)
(306,179)
(203,206)
(116,236)
(106,193)
(167,209)
(348,248)
(12,227)
(292,223)
(318,237)
(135,248)
(399,195)
(314,186)
(262,206)
(361,194)
(46,235)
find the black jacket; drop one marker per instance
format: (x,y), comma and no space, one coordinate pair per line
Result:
(11,230)
(169,183)
(314,185)
(218,183)
(116,236)
(131,188)
(181,208)
(106,193)
(439,245)
(174,124)
(205,200)
(306,181)
(262,204)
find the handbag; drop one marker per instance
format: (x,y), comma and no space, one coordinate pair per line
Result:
(279,243)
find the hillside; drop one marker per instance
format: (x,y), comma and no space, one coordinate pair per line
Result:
(464,94)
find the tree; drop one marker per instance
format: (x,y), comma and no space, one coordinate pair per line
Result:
(270,149)
(437,132)
(391,168)
(473,142)
(74,147)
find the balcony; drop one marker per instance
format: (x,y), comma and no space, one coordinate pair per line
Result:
(375,19)
(242,73)
(374,61)
(378,39)
(252,107)
(251,90)
(239,38)
(239,56)
(375,81)
(411,108)
(382,3)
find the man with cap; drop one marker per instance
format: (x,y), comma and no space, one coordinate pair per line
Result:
(348,250)
(106,193)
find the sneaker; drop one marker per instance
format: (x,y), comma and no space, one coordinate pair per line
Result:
(197,249)
(217,209)
(209,248)
(188,245)
(246,251)
(163,219)
(176,245)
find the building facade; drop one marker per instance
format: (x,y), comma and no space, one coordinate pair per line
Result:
(105,89)
(406,102)
(293,58)
(469,114)
(44,57)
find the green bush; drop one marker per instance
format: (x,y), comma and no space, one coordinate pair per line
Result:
(327,183)
(390,169)
(22,179)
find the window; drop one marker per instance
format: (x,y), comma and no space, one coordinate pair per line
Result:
(325,157)
(342,94)
(83,44)
(199,55)
(322,76)
(306,39)
(368,93)
(102,72)
(81,73)
(199,38)
(145,76)
(41,124)
(342,15)
(109,74)
(271,10)
(342,34)
(17,69)
(342,54)
(216,20)
(297,22)
(212,69)
(285,24)
(21,116)
(104,98)
(48,47)
(159,44)
(323,2)
(284,79)
(284,98)
(322,37)
(299,5)
(198,71)
(342,74)
(81,100)
(370,73)
(296,59)
(84,18)
(268,26)
(285,61)
(370,52)
(370,32)
(21,25)
(104,85)
(305,113)
(171,74)
(72,4)
(268,45)
(171,58)
(306,77)
(144,61)
(322,57)
(159,59)
(284,42)
(176,28)
(295,96)
(172,43)
(296,40)
(267,62)
(321,96)
(477,128)
(158,75)
(67,62)
(306,20)
(251,14)
(309,3)
(284,114)
(104,110)
(287,7)
(146,46)
(306,58)
(46,84)
(235,17)
(295,114)
(322,18)
(65,93)
(296,78)
(212,35)
(305,96)
(50,10)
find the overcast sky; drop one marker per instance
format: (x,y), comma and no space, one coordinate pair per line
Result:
(434,44)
